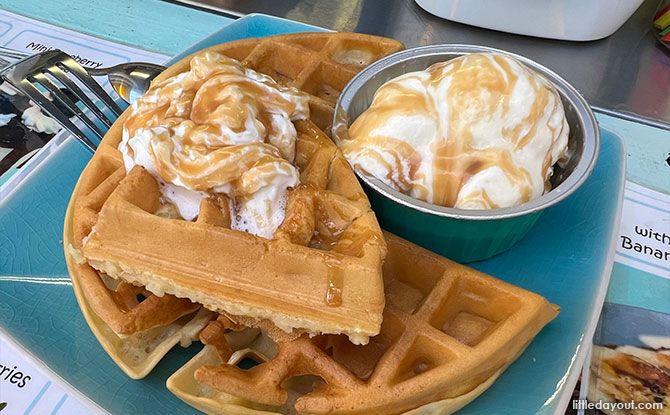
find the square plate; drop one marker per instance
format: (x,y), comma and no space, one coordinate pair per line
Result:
(566,257)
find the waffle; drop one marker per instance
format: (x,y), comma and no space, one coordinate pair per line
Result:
(448,333)
(285,280)
(327,284)
(135,327)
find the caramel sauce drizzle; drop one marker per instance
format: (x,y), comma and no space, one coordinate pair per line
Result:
(335,282)
(198,121)
(475,86)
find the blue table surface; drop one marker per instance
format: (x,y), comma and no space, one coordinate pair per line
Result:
(155,25)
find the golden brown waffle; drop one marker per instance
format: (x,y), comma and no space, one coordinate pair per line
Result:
(448,332)
(321,273)
(134,326)
(124,316)
(127,309)
(319,64)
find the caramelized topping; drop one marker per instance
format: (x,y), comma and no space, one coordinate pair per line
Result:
(335,283)
(219,128)
(459,130)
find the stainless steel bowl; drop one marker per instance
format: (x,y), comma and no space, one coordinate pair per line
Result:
(584,139)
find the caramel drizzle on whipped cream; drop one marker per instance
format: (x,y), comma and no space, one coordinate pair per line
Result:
(431,133)
(218,128)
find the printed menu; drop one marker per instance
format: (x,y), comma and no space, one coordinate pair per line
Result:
(29,387)
(630,356)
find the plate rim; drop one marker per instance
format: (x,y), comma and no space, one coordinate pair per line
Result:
(562,400)
(577,365)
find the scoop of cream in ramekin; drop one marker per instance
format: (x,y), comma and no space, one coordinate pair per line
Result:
(480,131)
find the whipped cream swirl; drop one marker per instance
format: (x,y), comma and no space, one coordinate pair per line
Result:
(219,128)
(480,131)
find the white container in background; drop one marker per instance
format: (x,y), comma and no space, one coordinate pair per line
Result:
(554,19)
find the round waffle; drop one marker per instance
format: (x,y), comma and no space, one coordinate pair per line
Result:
(118,294)
(141,274)
(448,333)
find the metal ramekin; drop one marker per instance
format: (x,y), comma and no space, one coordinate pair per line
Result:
(460,234)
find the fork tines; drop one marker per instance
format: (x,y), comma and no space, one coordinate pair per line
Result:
(49,68)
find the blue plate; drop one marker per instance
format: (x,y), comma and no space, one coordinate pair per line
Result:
(567,257)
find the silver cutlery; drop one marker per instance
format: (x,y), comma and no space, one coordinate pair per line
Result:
(34,74)
(130,80)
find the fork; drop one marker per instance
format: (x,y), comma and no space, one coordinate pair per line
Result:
(130,80)
(42,70)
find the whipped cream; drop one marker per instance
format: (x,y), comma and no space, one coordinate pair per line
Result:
(5,119)
(480,131)
(219,128)
(37,121)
